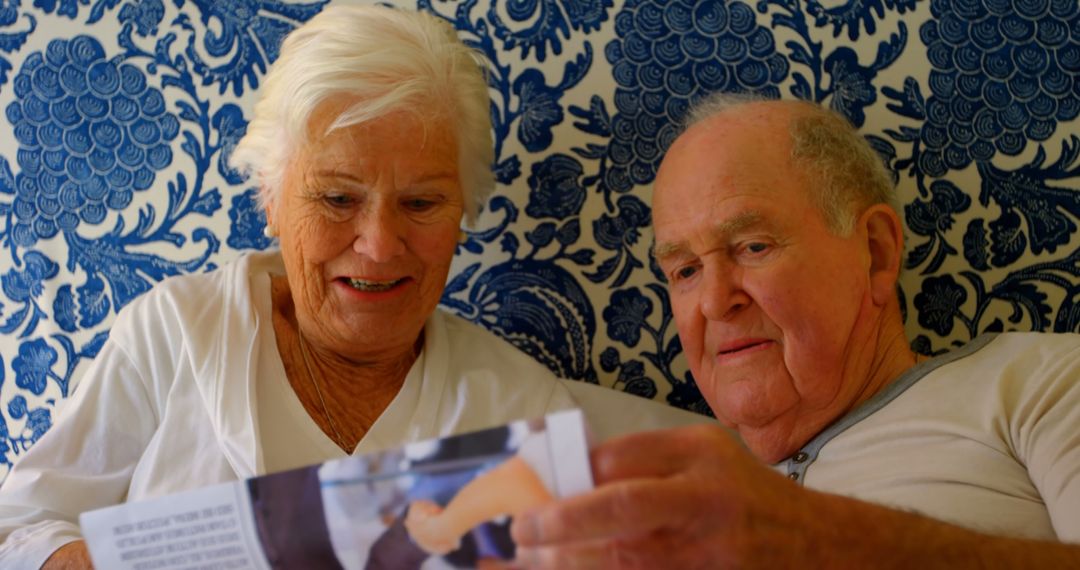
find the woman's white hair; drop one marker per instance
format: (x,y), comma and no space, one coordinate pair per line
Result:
(392,61)
(848,175)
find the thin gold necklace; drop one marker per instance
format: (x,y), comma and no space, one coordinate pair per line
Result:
(322,401)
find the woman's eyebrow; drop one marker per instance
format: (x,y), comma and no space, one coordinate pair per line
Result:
(337,174)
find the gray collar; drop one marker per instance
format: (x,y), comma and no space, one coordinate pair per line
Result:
(796,465)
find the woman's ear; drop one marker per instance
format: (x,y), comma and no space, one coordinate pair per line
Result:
(885,245)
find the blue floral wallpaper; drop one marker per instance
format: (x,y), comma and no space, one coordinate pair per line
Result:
(120,115)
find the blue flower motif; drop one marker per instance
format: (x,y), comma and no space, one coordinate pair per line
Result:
(540,110)
(69,8)
(93,302)
(1002,73)
(626,315)
(632,377)
(17,408)
(26,284)
(975,245)
(91,132)
(38,421)
(33,365)
(939,303)
(665,57)
(624,229)
(555,188)
(247,221)
(547,21)
(1007,240)
(231,127)
(145,15)
(928,217)
(249,29)
(852,85)
(609,359)
(64,309)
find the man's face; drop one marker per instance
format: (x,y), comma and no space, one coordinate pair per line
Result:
(774,311)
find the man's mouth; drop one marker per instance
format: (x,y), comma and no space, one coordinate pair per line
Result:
(369,286)
(742,346)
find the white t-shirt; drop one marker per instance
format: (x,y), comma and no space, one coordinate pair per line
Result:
(986,437)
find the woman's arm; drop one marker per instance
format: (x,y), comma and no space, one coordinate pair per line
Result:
(71,556)
(84,462)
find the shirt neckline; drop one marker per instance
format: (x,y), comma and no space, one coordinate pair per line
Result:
(800,461)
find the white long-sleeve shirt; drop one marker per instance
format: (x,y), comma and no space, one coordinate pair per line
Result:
(174,398)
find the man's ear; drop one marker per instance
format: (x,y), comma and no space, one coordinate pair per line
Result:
(884,236)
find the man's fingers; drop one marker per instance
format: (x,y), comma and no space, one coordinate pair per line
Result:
(645,553)
(655,453)
(573,556)
(627,508)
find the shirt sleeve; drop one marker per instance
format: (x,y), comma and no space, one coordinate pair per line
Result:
(1046,429)
(85,461)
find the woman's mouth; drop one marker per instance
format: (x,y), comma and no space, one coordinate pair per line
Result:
(369,286)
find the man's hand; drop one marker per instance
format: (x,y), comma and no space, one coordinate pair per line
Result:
(694,498)
(71,556)
(684,498)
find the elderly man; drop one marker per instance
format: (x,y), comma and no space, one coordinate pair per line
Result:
(782,255)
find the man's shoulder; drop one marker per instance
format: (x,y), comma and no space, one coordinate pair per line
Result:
(1030,346)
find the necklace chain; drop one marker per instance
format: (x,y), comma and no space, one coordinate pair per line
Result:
(322,401)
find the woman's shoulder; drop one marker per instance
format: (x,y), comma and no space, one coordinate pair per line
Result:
(191,300)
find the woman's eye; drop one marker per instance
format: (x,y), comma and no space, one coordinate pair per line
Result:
(338,200)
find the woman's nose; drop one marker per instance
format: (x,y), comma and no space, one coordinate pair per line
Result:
(380,235)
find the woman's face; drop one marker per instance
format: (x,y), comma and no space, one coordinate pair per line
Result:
(368,219)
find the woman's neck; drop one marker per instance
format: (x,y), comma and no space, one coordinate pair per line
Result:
(343,395)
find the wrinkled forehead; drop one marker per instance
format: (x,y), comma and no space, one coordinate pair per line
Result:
(726,154)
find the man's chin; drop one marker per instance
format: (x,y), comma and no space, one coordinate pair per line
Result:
(770,443)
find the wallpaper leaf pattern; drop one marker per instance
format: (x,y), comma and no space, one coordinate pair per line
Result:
(121,116)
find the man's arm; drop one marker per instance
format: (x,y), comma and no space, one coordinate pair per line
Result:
(693,498)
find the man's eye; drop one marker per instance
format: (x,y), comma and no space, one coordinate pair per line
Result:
(757,247)
(685,272)
(419,204)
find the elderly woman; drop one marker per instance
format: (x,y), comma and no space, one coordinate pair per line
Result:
(370,143)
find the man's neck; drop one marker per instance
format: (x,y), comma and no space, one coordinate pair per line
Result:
(892,356)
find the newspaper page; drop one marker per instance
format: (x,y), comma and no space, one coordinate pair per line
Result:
(442,503)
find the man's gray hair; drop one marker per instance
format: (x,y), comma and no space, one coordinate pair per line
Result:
(847,174)
(392,61)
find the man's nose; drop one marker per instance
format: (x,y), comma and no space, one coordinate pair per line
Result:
(722,295)
(380,234)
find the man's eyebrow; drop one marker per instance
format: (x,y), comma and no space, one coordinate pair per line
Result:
(735,224)
(665,250)
(739,222)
